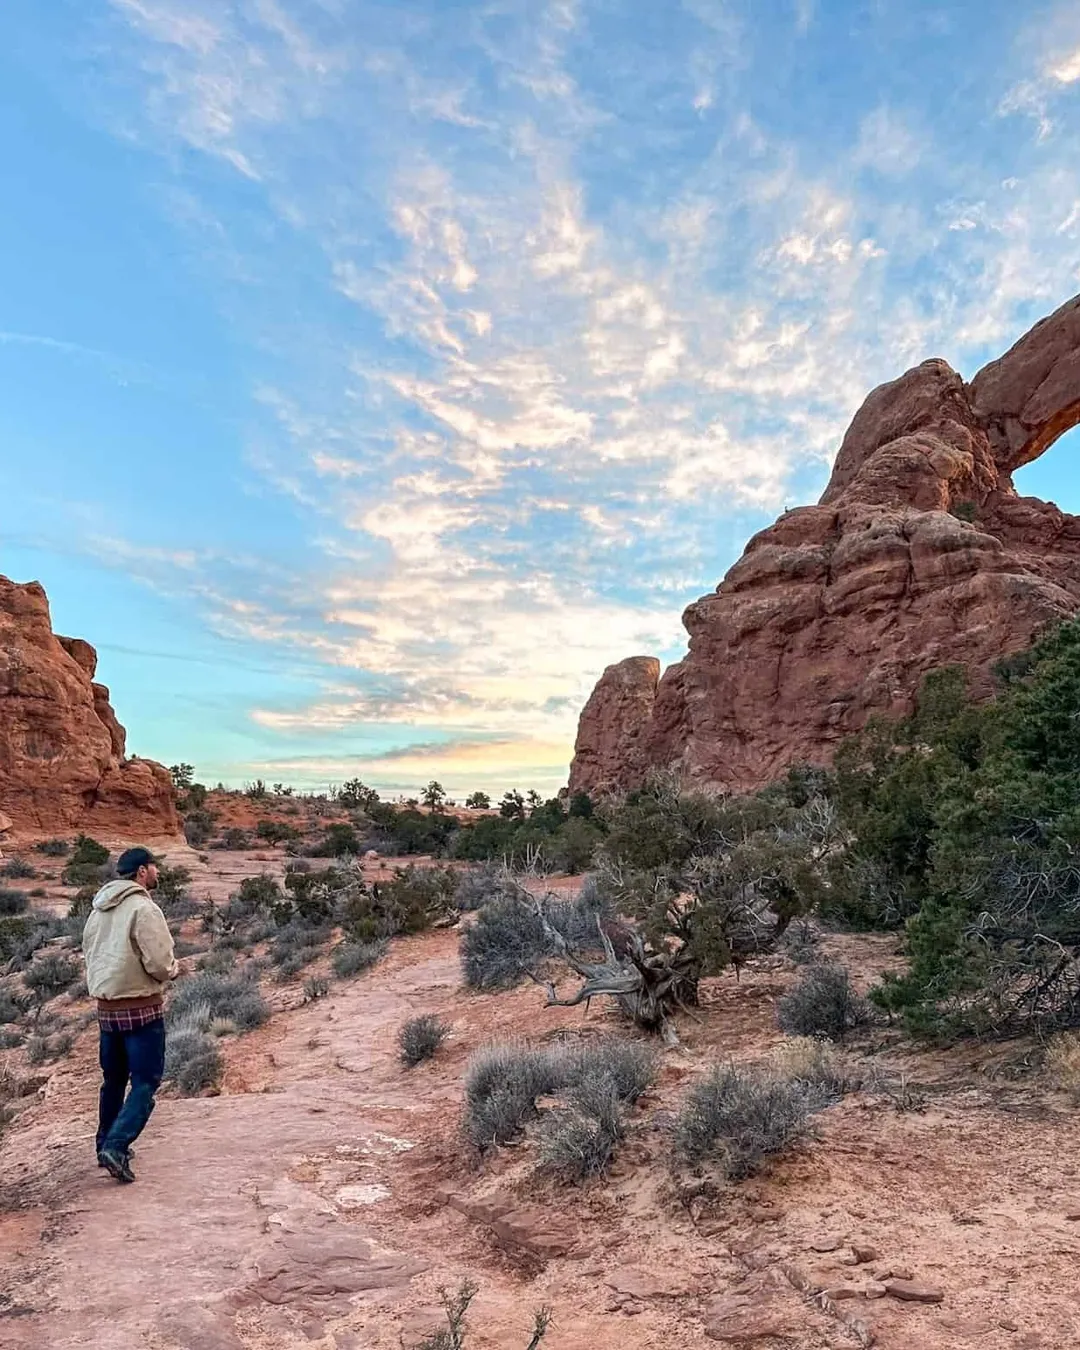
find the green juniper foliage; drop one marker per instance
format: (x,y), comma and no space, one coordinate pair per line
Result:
(969,817)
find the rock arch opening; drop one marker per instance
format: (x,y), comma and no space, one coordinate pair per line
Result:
(1055,475)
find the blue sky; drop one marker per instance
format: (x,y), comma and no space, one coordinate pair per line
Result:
(372,375)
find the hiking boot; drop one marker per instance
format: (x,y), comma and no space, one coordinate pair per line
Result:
(116,1164)
(130,1155)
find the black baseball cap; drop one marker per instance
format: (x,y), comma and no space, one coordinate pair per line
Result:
(132,859)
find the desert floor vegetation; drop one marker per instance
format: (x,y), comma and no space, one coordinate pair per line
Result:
(420,1038)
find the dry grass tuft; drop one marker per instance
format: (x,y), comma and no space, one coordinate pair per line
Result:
(1061,1063)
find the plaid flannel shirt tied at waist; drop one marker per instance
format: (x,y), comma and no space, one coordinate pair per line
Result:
(129,1019)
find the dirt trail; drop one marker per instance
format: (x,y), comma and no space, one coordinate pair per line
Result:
(322,1198)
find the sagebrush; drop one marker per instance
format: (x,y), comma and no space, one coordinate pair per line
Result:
(823,1003)
(420,1038)
(504,1081)
(738,1118)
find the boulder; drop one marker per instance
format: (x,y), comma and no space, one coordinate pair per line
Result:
(63,761)
(920,554)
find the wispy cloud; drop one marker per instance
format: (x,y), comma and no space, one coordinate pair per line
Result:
(567,321)
(1050,48)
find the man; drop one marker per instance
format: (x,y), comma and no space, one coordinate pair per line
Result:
(129,961)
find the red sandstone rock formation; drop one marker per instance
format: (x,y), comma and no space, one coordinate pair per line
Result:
(62,760)
(837,611)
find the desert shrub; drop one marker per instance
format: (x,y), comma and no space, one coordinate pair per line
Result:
(219,961)
(51,974)
(10,1039)
(800,943)
(297,945)
(18,939)
(1061,1063)
(968,810)
(37,1049)
(171,893)
(419,1039)
(317,897)
(573,846)
(11,1008)
(231,997)
(409,831)
(476,886)
(415,898)
(17,869)
(291,963)
(256,790)
(276,832)
(192,1058)
(546,838)
(38,893)
(8,1092)
(578,920)
(577,1141)
(703,882)
(21,935)
(198,827)
(234,838)
(506,941)
(194,799)
(84,874)
(504,1080)
(61,1045)
(12,901)
(82,902)
(502,1084)
(88,850)
(255,895)
(740,1117)
(316,987)
(823,1003)
(350,958)
(818,1066)
(54,848)
(630,1066)
(339,840)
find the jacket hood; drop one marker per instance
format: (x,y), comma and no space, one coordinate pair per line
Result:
(113,892)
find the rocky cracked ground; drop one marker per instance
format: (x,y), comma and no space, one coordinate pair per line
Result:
(323,1198)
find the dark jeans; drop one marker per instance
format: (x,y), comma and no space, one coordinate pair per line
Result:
(138,1058)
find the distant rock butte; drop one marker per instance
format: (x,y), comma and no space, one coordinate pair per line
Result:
(62,754)
(837,611)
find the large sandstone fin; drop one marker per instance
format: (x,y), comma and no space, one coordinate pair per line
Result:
(919,555)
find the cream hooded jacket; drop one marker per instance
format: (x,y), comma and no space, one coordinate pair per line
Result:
(128,946)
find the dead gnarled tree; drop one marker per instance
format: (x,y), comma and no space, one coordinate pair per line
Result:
(747,867)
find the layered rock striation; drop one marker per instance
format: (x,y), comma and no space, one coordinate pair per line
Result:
(63,765)
(920,554)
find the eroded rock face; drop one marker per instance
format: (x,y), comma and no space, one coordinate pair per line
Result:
(920,554)
(62,754)
(616,723)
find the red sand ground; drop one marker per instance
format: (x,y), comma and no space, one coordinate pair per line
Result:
(318,1200)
